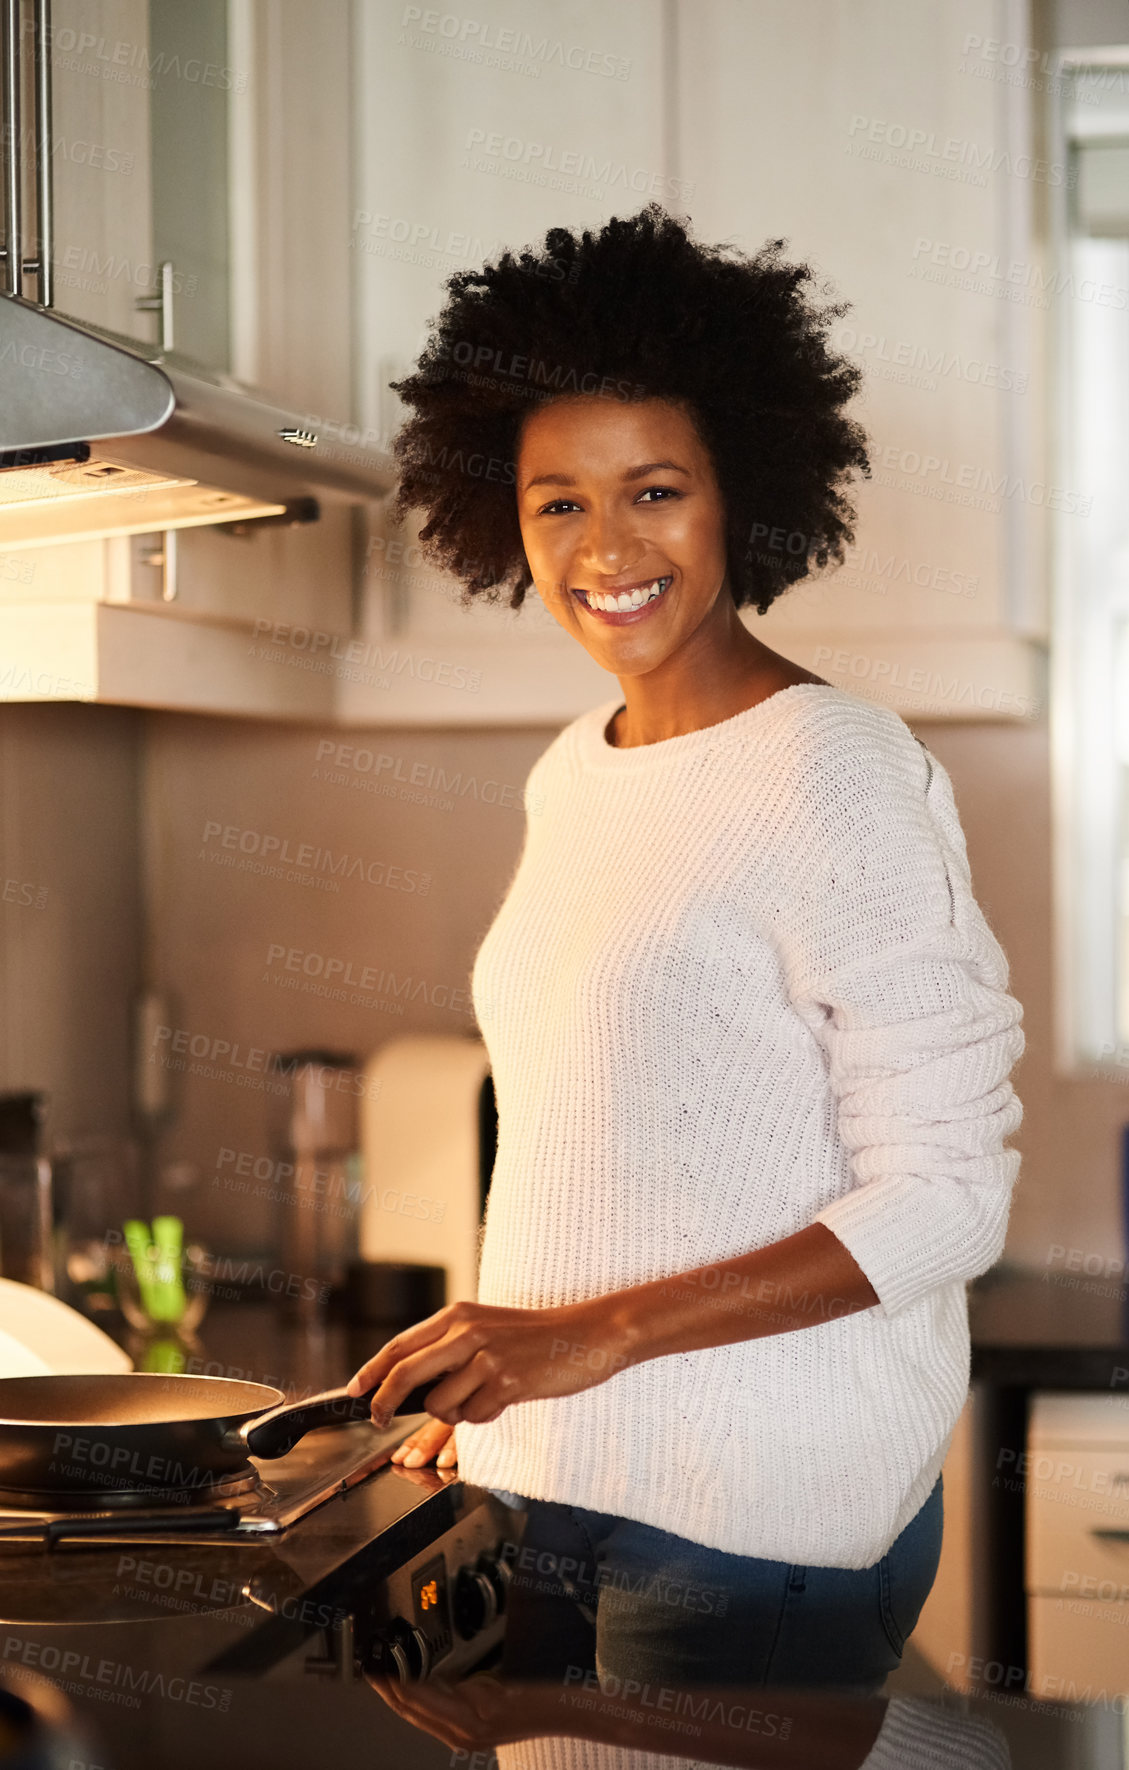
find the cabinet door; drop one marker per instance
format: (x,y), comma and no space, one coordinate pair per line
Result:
(1076,1645)
(196,107)
(554,119)
(143,92)
(197,102)
(102,95)
(899,155)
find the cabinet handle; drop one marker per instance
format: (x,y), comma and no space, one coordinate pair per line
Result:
(13,251)
(161,304)
(165,556)
(44,264)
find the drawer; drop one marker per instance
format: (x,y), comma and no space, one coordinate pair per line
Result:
(1075,1646)
(1077,1521)
(1073,1419)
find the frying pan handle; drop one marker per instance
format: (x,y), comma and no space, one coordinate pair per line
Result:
(273,1434)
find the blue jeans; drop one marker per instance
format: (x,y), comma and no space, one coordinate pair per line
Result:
(609,1594)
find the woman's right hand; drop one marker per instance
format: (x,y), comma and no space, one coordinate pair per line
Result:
(434,1441)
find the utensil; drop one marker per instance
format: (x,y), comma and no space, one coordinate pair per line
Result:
(140,1432)
(314,1137)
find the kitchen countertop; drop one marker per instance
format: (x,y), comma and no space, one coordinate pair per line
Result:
(1050,1329)
(1029,1327)
(203,1700)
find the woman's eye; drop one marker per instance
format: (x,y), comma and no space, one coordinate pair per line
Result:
(560,503)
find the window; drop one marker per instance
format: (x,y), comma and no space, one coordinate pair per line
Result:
(1089,299)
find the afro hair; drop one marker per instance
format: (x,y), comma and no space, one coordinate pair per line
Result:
(637,310)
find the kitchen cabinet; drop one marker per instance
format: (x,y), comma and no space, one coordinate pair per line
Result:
(102,174)
(147,120)
(905,154)
(1046,1480)
(369,156)
(461,149)
(151,129)
(175,143)
(1076,1472)
(762,123)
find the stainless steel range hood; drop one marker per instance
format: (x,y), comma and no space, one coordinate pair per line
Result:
(97,438)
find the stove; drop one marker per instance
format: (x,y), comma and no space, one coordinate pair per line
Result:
(331,1558)
(262,1502)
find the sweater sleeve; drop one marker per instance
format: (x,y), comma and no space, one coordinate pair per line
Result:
(888,958)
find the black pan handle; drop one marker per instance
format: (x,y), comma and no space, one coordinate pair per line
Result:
(216,1518)
(274,1433)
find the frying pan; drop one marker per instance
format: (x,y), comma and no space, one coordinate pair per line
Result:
(132,1431)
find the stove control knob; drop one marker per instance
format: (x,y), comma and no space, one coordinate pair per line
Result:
(394,1661)
(500,1573)
(405,1653)
(476,1601)
(423,1652)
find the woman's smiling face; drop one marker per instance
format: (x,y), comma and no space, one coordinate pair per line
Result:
(623,527)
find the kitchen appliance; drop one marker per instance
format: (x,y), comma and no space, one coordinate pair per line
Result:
(381,1299)
(1077,1544)
(428,1132)
(429,1595)
(26,1249)
(26,1252)
(23,1112)
(314,1136)
(258,1505)
(341,1562)
(130,1438)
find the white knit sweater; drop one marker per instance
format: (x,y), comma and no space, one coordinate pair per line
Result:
(914,1735)
(739,985)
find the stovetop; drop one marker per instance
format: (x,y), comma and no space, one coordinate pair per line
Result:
(279,1492)
(334,1501)
(213,1650)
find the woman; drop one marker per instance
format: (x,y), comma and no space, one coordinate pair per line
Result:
(749,1029)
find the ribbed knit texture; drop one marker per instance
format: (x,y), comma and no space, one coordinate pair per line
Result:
(740,984)
(914,1735)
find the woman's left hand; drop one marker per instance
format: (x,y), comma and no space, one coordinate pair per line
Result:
(483,1359)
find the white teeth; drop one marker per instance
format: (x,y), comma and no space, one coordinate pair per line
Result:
(626,599)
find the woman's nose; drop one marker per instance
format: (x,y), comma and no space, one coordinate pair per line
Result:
(606,543)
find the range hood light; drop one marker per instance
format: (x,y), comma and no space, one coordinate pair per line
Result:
(122,445)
